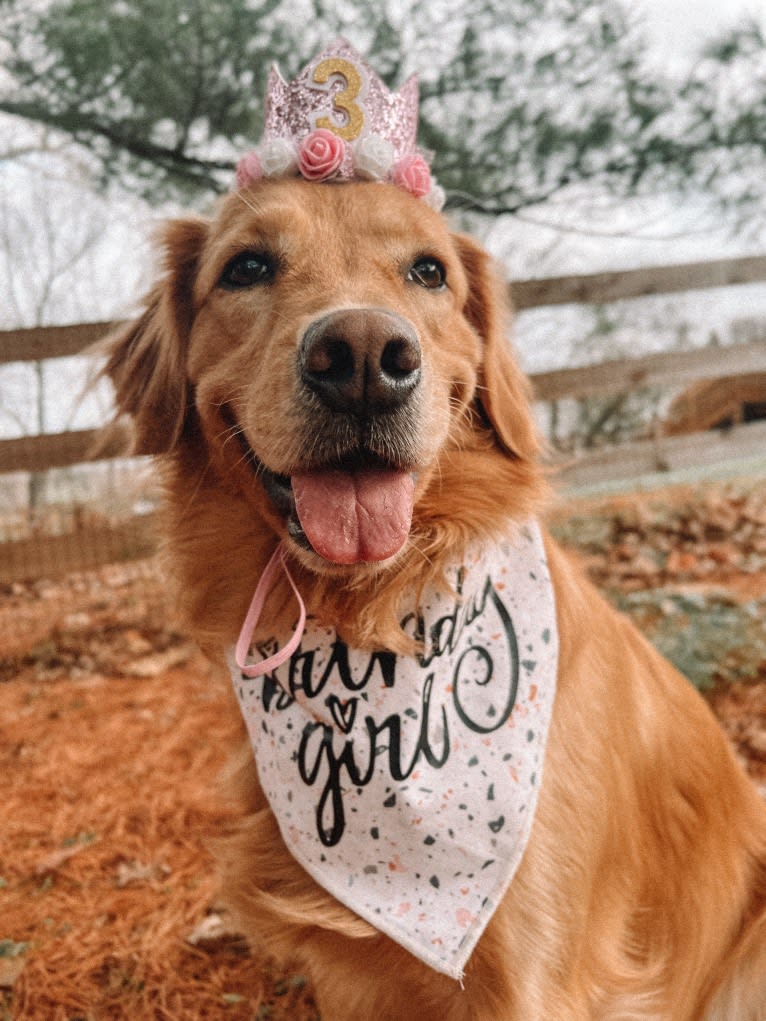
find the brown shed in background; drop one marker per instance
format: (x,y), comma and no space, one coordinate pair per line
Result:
(718,404)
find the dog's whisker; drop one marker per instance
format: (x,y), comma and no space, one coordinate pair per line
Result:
(245,202)
(421,552)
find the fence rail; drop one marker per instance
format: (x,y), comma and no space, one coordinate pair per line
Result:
(60,450)
(601,288)
(665,455)
(669,368)
(42,342)
(99,542)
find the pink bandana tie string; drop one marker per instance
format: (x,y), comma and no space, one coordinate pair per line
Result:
(265,585)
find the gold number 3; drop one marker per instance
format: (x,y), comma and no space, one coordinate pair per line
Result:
(353,120)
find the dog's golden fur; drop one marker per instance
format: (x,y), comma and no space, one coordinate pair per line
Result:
(642,893)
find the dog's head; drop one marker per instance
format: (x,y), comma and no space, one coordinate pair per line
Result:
(328,350)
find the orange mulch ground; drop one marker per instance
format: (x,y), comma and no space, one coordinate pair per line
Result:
(113,732)
(110,799)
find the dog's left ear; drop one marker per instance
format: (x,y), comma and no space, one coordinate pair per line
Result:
(146,359)
(503,390)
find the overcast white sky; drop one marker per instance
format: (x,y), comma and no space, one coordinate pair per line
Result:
(679,26)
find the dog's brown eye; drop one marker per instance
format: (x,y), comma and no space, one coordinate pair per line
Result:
(428,273)
(247,269)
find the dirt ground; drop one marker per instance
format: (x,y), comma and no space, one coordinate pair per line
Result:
(113,732)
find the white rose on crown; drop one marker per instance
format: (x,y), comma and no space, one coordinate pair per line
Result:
(373,157)
(278,158)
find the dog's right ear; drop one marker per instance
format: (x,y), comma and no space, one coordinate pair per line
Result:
(146,359)
(504,393)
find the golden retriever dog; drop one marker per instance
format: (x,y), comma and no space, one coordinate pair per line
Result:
(343,332)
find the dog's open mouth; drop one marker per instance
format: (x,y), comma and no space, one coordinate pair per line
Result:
(348,515)
(357,510)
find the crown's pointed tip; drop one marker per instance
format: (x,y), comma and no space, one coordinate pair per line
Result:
(410,90)
(340,46)
(275,78)
(342,40)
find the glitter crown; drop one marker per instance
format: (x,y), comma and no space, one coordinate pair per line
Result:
(337,121)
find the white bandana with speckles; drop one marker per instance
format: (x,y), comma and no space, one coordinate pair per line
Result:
(406,786)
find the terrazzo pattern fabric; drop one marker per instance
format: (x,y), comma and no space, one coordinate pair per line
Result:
(406,786)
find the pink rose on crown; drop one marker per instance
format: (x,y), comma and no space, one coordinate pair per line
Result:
(249,169)
(320,155)
(412,174)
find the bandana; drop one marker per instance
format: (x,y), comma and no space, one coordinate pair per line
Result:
(406,785)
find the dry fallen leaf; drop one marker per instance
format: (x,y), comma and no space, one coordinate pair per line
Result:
(215,931)
(139,872)
(10,969)
(57,858)
(158,663)
(11,961)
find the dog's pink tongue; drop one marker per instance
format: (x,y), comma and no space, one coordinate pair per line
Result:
(353,517)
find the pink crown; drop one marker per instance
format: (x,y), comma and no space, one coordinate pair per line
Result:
(337,121)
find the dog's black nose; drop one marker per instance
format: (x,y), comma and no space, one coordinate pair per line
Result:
(362,361)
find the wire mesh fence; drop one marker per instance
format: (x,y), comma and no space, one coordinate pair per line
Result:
(55,520)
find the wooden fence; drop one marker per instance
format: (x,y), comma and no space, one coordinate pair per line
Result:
(102,541)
